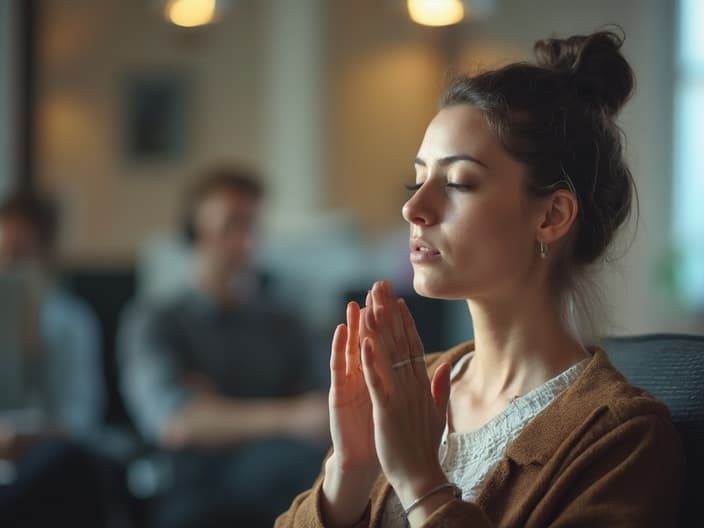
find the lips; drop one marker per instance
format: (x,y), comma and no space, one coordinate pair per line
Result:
(420,245)
(422,251)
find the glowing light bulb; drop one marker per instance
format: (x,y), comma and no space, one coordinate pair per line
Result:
(436,12)
(190,13)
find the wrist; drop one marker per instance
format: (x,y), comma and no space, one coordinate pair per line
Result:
(354,476)
(426,505)
(345,493)
(409,489)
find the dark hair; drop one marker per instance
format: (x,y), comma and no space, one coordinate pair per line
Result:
(37,210)
(217,179)
(557,117)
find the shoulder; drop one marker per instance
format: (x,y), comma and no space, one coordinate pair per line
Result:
(600,406)
(601,385)
(63,307)
(61,299)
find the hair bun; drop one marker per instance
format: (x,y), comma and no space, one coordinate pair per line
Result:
(600,74)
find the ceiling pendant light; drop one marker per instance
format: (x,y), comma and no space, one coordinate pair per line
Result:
(436,12)
(190,13)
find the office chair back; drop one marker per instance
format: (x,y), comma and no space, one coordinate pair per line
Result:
(671,368)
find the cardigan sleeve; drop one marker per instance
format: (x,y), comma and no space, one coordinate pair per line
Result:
(630,477)
(305,511)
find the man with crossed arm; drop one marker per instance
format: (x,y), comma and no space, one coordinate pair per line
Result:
(221,378)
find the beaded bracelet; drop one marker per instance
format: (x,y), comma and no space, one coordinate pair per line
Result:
(456,492)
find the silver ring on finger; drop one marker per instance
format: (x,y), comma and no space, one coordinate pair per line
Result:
(407,361)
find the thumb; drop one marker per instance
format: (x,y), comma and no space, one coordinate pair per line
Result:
(440,388)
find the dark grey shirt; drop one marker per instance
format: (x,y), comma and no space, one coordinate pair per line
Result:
(255,350)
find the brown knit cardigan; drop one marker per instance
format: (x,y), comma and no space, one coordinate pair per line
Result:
(603,453)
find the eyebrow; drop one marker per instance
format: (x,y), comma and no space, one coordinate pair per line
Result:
(452,159)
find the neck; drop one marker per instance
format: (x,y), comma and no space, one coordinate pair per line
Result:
(214,282)
(519,345)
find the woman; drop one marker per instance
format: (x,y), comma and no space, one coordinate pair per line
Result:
(520,186)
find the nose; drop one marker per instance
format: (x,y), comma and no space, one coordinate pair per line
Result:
(422,208)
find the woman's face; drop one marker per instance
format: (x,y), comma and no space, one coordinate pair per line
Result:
(473,226)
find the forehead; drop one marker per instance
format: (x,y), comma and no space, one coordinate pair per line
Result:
(459,129)
(228,197)
(223,203)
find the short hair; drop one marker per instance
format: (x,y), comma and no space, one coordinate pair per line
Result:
(37,210)
(232,178)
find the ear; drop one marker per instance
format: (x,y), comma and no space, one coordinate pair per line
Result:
(558,213)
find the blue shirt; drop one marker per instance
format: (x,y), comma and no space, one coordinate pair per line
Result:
(71,375)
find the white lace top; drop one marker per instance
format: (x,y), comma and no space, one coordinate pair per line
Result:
(468,458)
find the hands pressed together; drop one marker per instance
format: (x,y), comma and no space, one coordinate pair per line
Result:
(385,413)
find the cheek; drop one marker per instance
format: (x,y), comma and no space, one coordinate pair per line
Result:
(496,233)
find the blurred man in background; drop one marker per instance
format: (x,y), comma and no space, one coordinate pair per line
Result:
(54,396)
(223,379)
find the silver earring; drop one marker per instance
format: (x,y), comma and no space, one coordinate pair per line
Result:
(543,247)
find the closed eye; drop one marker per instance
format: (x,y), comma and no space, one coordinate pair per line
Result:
(462,187)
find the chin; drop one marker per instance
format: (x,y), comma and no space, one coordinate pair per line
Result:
(433,287)
(437,284)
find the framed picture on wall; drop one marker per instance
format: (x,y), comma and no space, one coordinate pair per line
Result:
(156,116)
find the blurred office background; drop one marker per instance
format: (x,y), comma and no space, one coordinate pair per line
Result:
(330,100)
(112,107)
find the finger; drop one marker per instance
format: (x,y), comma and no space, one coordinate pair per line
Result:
(373,379)
(384,346)
(383,319)
(352,346)
(369,321)
(369,307)
(415,344)
(440,389)
(337,356)
(377,298)
(370,330)
(410,329)
(365,329)
(396,320)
